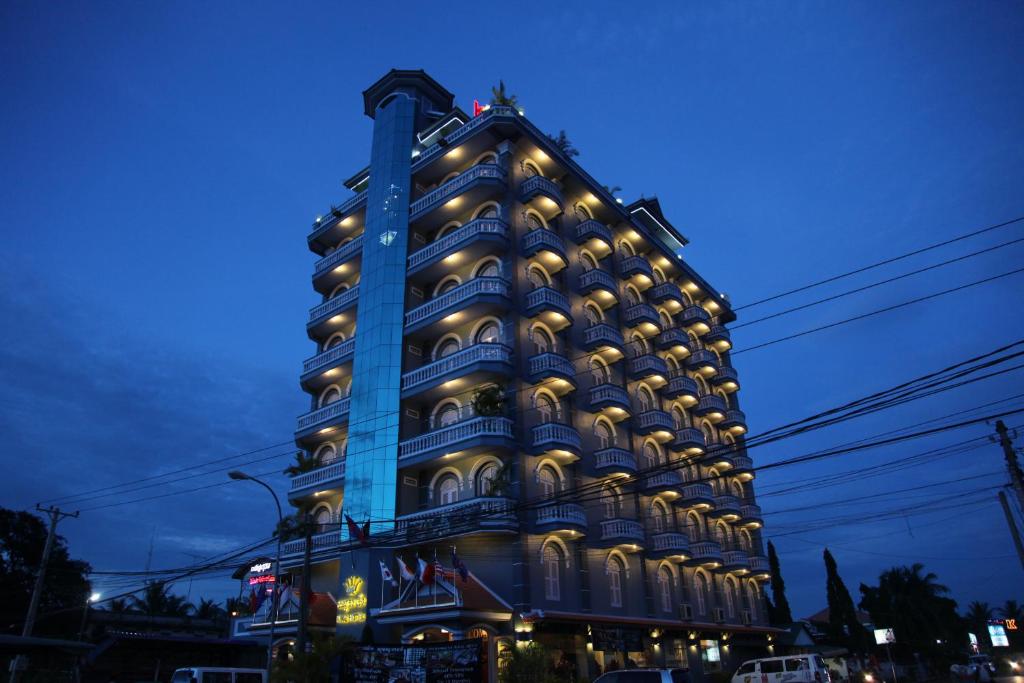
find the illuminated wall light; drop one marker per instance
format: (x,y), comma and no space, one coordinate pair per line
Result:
(453,202)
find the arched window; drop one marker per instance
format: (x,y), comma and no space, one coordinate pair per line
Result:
(488,268)
(693,342)
(645,398)
(537,277)
(445,286)
(651,455)
(722,534)
(446,347)
(548,481)
(326,454)
(693,527)
(752,600)
(626,249)
(709,433)
(582,212)
(659,517)
(614,569)
(598,370)
(530,169)
(702,385)
(593,313)
(488,158)
(543,341)
(552,567)
(737,488)
(448,490)
(673,365)
(535,222)
(632,296)
(334,340)
(331,394)
(487,211)
(610,502)
(322,518)
(489,333)
(700,593)
(587,260)
(679,418)
(604,432)
(447,229)
(638,345)
(547,407)
(485,479)
(730,597)
(666,320)
(344,286)
(745,541)
(665,589)
(447,414)
(659,276)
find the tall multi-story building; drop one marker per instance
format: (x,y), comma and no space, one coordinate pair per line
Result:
(512,363)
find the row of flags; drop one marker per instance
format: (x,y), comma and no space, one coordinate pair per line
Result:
(426,572)
(283,595)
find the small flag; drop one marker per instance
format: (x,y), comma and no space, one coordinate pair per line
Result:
(459,565)
(427,570)
(477,109)
(404,571)
(385,574)
(354,531)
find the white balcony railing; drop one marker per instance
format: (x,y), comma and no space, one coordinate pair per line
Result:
(484,510)
(331,355)
(469,231)
(328,412)
(455,185)
(447,437)
(320,475)
(331,305)
(477,353)
(558,513)
(475,287)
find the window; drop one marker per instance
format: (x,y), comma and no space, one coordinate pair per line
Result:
(659,517)
(610,502)
(709,433)
(659,276)
(679,418)
(592,313)
(331,395)
(693,527)
(747,668)
(248,677)
(446,415)
(448,490)
(702,385)
(325,454)
(334,340)
(322,518)
(485,479)
(446,286)
(489,158)
(700,593)
(534,222)
(552,560)
(598,370)
(666,320)
(796,664)
(548,481)
(547,409)
(490,333)
(771,666)
(447,229)
(673,365)
(752,601)
(446,348)
(645,398)
(614,571)
(537,277)
(632,297)
(665,589)
(582,212)
(651,455)
(587,260)
(604,433)
(542,340)
(529,169)
(626,249)
(722,535)
(638,345)
(490,268)
(730,599)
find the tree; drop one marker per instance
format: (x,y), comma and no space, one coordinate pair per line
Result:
(158,601)
(499,97)
(303,463)
(1012,610)
(235,606)
(612,190)
(530,663)
(65,588)
(502,481)
(209,609)
(489,401)
(314,665)
(782,612)
(843,624)
(563,143)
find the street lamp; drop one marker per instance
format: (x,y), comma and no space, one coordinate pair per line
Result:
(238,475)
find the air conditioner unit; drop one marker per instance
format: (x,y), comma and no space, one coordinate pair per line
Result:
(719,614)
(746,617)
(686,612)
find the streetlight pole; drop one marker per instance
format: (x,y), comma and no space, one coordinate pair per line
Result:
(241,476)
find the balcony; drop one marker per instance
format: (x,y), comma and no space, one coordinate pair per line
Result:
(550,365)
(596,279)
(331,415)
(325,477)
(339,256)
(698,495)
(703,361)
(735,421)
(478,293)
(726,377)
(332,307)
(705,553)
(592,230)
(539,186)
(742,467)
(550,301)
(635,265)
(759,567)
(561,516)
(688,440)
(653,421)
(671,338)
(472,184)
(666,291)
(603,396)
(681,386)
(710,406)
(696,316)
(727,506)
(601,335)
(555,437)
(469,516)
(669,544)
(544,242)
(614,460)
(718,337)
(475,238)
(332,357)
(641,313)
(478,359)
(466,436)
(325,224)
(750,515)
(735,561)
(326,542)
(647,365)
(622,531)
(668,480)
(463,132)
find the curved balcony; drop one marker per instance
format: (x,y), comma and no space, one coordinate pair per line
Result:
(669,544)
(325,360)
(614,460)
(331,415)
(750,515)
(641,313)
(635,265)
(561,516)
(544,242)
(666,291)
(742,467)
(719,337)
(472,184)
(621,531)
(710,406)
(463,133)
(539,186)
(555,437)
(320,314)
(545,300)
(726,377)
(464,437)
(735,421)
(325,477)
(647,365)
(340,256)
(727,506)
(688,440)
(703,361)
(601,335)
(326,224)
(603,396)
(697,495)
(705,553)
(759,567)
(671,338)
(550,366)
(735,561)
(596,279)
(591,230)
(325,542)
(481,514)
(472,297)
(473,239)
(652,421)
(472,361)
(669,480)
(696,316)
(681,386)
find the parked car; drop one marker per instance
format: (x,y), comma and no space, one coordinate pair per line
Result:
(645,676)
(209,674)
(792,669)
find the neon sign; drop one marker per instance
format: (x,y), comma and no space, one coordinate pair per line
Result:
(266,578)
(352,607)
(261,567)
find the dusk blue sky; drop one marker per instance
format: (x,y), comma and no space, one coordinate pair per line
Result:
(162,164)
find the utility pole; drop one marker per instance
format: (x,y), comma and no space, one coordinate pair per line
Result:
(302,644)
(1013,526)
(1016,478)
(37,591)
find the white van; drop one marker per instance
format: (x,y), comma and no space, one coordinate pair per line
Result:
(792,669)
(212,674)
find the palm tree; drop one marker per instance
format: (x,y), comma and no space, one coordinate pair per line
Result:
(978,613)
(158,601)
(236,606)
(489,401)
(1012,610)
(499,97)
(563,143)
(913,603)
(612,190)
(303,463)
(209,609)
